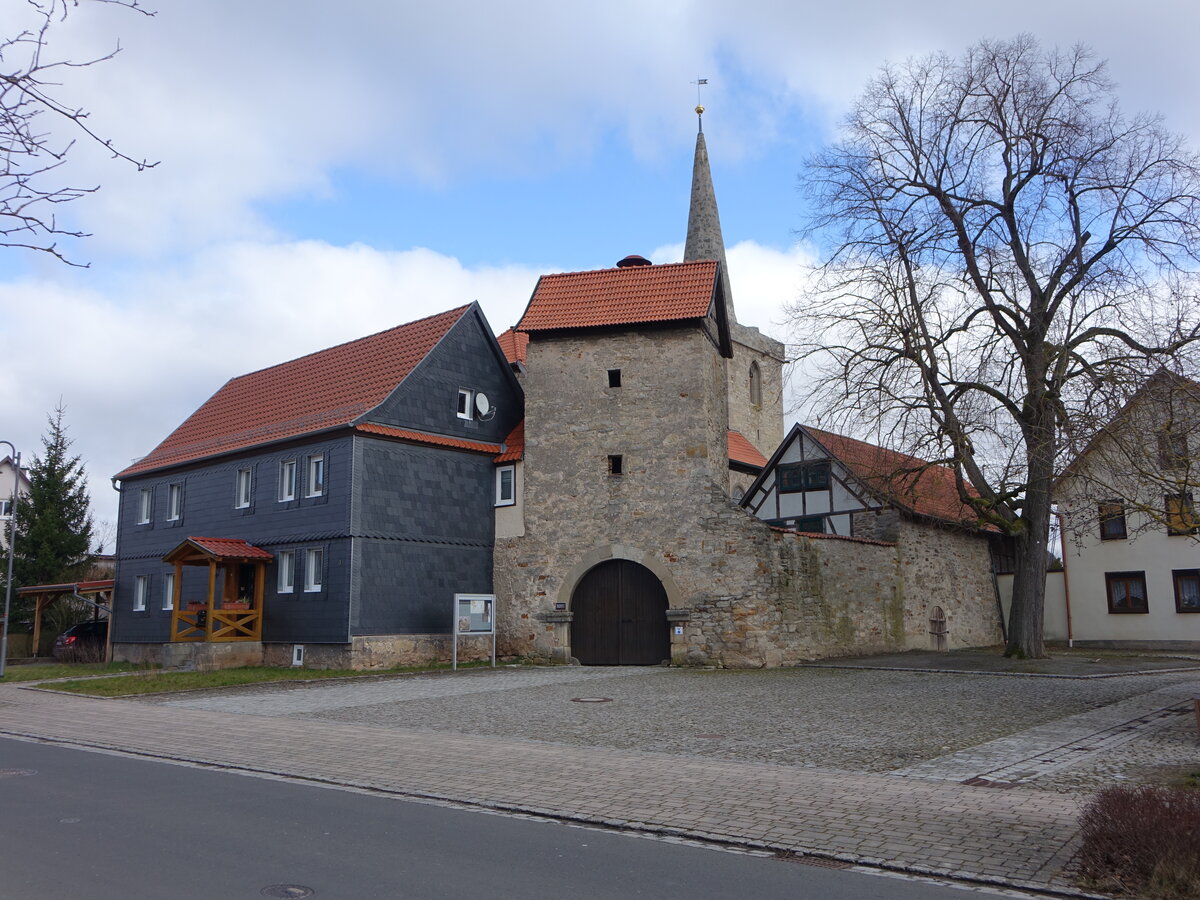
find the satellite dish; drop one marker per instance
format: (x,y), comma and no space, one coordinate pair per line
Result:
(483,407)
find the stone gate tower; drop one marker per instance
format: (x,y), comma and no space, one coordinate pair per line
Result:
(635,377)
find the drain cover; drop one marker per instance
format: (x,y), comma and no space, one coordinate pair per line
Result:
(13,773)
(286,890)
(591,699)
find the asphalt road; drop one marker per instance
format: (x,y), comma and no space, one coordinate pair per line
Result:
(79,824)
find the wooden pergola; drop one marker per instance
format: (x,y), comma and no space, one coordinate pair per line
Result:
(96,593)
(237,614)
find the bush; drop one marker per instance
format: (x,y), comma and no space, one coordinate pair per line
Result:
(1143,841)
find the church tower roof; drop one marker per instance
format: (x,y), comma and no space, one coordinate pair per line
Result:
(704,240)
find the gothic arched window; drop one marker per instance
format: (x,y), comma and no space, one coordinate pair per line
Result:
(755,385)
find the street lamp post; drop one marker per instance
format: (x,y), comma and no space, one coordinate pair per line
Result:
(12,550)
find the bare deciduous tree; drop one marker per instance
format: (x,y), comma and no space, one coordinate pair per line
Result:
(1009,257)
(38,128)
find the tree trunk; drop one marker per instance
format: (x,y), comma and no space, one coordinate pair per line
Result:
(1027,613)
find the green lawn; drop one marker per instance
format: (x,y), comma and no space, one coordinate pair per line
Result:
(157,681)
(36,671)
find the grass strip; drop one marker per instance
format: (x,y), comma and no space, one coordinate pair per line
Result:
(157,681)
(38,671)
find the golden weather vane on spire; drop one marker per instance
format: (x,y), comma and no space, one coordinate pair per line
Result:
(699,83)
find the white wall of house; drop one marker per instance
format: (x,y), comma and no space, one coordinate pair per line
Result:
(1148,550)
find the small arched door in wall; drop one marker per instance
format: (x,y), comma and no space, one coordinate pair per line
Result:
(619,616)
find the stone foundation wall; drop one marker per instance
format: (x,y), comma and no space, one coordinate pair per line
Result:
(191,654)
(383,651)
(367,652)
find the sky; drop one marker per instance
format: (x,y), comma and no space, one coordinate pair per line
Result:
(328,170)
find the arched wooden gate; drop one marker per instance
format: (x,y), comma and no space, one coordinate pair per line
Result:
(619,616)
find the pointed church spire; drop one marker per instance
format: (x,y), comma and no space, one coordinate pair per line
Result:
(704,239)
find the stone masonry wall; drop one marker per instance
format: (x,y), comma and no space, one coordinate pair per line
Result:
(744,594)
(952,569)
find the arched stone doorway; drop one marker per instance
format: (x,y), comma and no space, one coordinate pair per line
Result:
(619,616)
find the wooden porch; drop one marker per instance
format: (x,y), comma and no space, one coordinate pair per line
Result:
(237,613)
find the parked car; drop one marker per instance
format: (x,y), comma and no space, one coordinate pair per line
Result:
(84,641)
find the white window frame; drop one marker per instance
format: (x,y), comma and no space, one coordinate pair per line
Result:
(141,589)
(466,404)
(168,596)
(315,486)
(314,561)
(243,489)
(285,578)
(174,502)
(6,508)
(145,506)
(511,499)
(287,480)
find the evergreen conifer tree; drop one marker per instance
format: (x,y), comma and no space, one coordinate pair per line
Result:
(54,523)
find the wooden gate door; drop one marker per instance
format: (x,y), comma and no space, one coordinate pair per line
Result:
(620,616)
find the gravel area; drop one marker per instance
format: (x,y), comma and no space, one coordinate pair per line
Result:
(848,720)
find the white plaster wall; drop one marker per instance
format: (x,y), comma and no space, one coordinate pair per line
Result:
(1149,549)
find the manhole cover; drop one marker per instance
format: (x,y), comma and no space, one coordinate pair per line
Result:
(591,699)
(13,773)
(286,890)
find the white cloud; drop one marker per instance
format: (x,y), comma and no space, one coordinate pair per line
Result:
(250,102)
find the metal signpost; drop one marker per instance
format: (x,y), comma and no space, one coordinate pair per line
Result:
(12,549)
(474,614)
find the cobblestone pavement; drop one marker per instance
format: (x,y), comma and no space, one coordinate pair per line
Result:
(1015,837)
(786,759)
(836,719)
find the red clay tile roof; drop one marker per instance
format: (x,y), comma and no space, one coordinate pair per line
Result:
(324,389)
(910,483)
(742,451)
(420,437)
(514,344)
(228,548)
(514,445)
(629,296)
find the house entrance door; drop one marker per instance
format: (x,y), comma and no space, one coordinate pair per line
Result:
(620,616)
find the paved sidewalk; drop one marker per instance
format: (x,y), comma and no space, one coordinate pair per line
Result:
(1019,837)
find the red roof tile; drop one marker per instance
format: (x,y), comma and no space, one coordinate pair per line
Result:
(629,296)
(229,548)
(514,344)
(420,437)
(910,483)
(742,451)
(514,445)
(322,390)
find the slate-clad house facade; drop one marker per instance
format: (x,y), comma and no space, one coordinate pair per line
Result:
(365,471)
